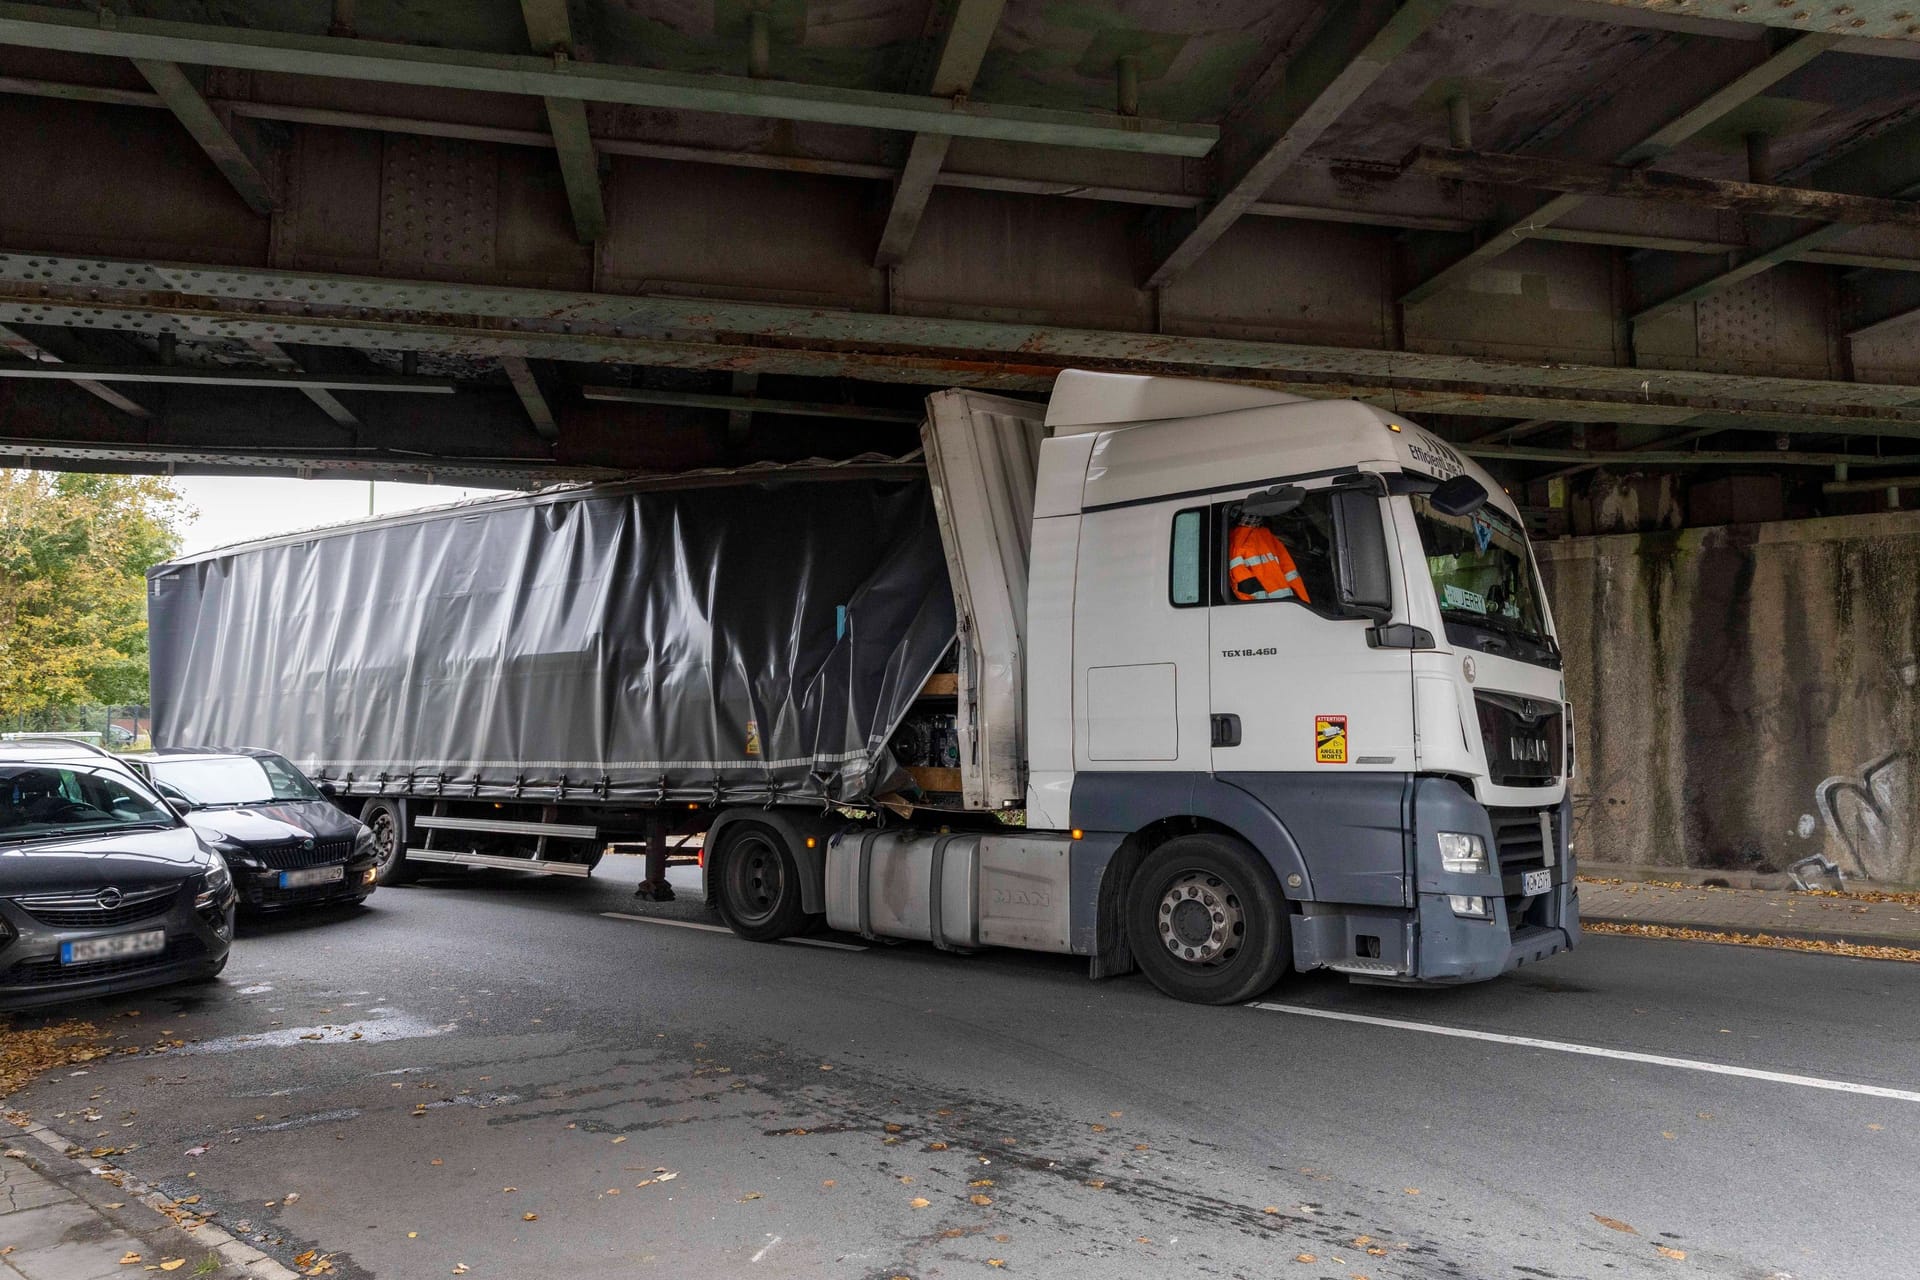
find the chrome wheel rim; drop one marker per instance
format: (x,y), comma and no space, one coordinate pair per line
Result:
(384,830)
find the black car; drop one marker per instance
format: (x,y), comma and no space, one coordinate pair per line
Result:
(102,887)
(286,844)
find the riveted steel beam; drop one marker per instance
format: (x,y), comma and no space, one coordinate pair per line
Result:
(1590,458)
(551,33)
(963,47)
(527,387)
(1741,88)
(324,400)
(1293,105)
(41,27)
(487,322)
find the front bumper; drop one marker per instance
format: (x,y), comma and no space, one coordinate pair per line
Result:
(31,973)
(260,889)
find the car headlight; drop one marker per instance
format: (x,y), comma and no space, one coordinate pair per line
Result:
(215,883)
(1463,852)
(363,846)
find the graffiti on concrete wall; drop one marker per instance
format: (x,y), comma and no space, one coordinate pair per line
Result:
(1866,814)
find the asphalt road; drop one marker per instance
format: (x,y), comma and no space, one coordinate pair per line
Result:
(428,1074)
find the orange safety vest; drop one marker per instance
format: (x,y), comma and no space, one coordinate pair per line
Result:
(1260,567)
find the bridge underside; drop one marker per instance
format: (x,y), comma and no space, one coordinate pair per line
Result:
(514,242)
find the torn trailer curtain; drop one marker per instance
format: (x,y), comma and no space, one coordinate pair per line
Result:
(753,642)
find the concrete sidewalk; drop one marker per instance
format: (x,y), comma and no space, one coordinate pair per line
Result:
(55,1225)
(1864,920)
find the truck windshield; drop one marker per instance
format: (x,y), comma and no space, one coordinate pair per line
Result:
(1483,575)
(47,802)
(232,780)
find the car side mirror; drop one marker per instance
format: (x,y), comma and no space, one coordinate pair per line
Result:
(1460,496)
(180,805)
(1277,501)
(326,789)
(1365,582)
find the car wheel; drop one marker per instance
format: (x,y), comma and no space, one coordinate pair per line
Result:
(1206,921)
(759,884)
(383,819)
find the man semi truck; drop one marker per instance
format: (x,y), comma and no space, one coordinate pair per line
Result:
(1191,677)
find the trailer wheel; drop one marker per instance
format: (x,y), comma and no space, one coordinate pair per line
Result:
(1206,921)
(383,818)
(759,884)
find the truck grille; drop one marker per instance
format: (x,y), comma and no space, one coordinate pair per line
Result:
(84,910)
(292,855)
(1523,739)
(1516,838)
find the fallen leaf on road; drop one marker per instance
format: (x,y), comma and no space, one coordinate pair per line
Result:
(828,1182)
(1876,1127)
(751,1195)
(188,1200)
(894,1128)
(1098,1128)
(1304,1257)
(936,1146)
(1271,1209)
(906,1178)
(1668,1134)
(1141,1146)
(173,1264)
(1704,1115)
(1097,1184)
(507,1189)
(413,1235)
(1678,1255)
(292,1197)
(1614,1224)
(979,1199)
(129,1258)
(918,1202)
(1113,1115)
(1412,1191)
(996,1262)
(620,1139)
(305,1259)
(436,1162)
(1377,1251)
(459,1268)
(981,1182)
(196,1151)
(826,1066)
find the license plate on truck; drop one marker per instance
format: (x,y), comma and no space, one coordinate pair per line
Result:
(1535,883)
(312,875)
(148,942)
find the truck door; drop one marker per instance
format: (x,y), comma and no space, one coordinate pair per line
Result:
(1305,713)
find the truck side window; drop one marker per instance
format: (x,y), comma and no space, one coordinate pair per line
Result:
(1185,581)
(1285,558)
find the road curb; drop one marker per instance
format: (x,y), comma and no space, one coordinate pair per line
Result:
(1752,931)
(236,1252)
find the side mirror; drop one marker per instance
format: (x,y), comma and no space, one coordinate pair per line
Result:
(180,806)
(1360,551)
(1276,501)
(1460,496)
(326,789)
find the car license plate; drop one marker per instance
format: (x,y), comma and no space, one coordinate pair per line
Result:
(1535,883)
(118,947)
(312,875)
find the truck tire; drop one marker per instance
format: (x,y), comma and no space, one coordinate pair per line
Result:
(1206,921)
(759,883)
(388,822)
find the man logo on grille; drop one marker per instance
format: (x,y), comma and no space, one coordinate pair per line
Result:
(1528,712)
(109,898)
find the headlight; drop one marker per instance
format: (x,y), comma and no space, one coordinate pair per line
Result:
(363,846)
(215,884)
(1462,851)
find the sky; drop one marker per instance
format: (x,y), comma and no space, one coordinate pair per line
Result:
(238,508)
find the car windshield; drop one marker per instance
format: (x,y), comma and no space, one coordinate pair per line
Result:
(1483,574)
(46,801)
(232,780)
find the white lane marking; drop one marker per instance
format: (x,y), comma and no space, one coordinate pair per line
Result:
(678,924)
(720,928)
(1595,1051)
(765,1249)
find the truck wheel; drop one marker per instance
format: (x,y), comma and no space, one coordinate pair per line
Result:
(382,817)
(1206,921)
(759,884)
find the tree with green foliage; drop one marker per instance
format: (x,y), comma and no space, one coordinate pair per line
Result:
(74,551)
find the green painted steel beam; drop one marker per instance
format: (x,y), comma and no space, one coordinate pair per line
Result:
(193,113)
(550,32)
(1750,84)
(963,47)
(187,375)
(1294,105)
(103,33)
(1869,19)
(750,404)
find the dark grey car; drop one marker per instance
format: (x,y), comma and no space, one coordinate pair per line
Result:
(102,887)
(285,843)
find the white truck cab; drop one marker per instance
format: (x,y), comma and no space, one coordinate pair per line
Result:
(1364,770)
